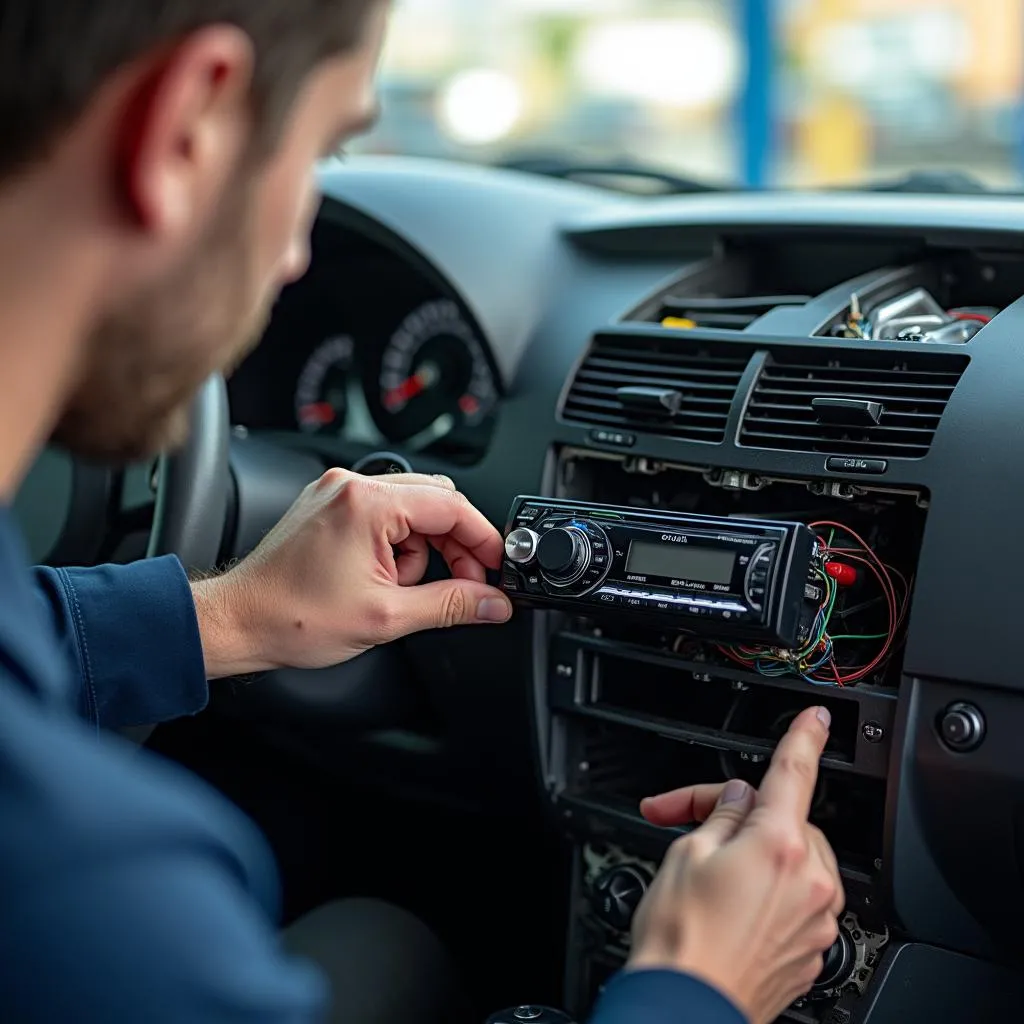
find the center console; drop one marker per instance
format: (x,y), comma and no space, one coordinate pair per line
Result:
(687,615)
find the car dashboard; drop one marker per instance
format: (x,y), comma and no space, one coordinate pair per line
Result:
(846,361)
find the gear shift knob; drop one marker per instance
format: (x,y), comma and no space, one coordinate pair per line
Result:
(529,1014)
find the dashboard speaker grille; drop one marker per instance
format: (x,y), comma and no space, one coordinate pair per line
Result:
(670,385)
(866,403)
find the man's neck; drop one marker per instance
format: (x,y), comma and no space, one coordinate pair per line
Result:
(44,310)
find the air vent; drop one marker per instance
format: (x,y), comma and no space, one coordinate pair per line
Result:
(673,385)
(730,314)
(850,403)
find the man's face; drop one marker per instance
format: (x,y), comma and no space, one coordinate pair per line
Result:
(149,355)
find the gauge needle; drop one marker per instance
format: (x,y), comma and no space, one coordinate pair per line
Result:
(426,377)
(321,413)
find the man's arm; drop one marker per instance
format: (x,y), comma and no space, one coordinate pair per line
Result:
(133,892)
(131,638)
(323,587)
(663,997)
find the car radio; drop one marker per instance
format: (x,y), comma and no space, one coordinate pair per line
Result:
(724,578)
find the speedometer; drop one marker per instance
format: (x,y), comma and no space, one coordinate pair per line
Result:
(435,377)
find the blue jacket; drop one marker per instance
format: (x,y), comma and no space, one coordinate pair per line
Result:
(129,890)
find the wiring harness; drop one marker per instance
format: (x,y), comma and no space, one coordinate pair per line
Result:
(833,653)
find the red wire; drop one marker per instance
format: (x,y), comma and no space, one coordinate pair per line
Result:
(890,597)
(835,671)
(896,609)
(879,570)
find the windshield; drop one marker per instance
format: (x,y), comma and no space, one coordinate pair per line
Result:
(923,94)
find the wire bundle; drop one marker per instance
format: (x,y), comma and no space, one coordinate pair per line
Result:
(825,659)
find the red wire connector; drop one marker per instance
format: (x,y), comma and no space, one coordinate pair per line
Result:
(844,575)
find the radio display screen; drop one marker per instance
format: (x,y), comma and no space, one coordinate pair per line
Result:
(681,561)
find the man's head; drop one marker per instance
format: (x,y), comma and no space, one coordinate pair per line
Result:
(187,132)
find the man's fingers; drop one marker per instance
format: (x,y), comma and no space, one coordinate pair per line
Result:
(464,565)
(444,604)
(413,556)
(787,789)
(445,483)
(734,804)
(437,512)
(682,806)
(821,846)
(411,560)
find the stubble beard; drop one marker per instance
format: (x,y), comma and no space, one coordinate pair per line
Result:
(147,360)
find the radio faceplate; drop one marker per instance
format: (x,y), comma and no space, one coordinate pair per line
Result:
(719,577)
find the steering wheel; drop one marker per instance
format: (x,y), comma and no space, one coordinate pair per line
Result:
(192,495)
(192,484)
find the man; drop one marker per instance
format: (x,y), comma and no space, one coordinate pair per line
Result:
(156,190)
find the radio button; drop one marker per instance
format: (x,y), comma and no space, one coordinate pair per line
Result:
(509,581)
(534,584)
(528,514)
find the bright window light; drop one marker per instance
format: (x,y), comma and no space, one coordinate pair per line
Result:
(480,107)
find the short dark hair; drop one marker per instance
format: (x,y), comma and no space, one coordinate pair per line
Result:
(55,55)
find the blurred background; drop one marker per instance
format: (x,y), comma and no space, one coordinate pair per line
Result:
(750,93)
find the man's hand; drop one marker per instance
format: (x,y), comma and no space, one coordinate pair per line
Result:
(341,573)
(749,901)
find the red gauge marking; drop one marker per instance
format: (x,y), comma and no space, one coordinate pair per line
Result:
(318,413)
(469,405)
(409,388)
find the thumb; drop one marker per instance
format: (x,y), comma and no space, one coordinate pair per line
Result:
(735,803)
(449,603)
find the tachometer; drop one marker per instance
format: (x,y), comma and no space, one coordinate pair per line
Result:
(435,377)
(321,395)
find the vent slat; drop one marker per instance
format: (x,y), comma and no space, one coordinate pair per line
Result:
(595,366)
(758,408)
(913,391)
(847,388)
(618,380)
(921,429)
(707,375)
(658,350)
(612,405)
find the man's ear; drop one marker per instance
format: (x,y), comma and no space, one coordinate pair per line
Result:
(187,123)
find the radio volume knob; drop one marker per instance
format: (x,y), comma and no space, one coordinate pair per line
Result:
(617,893)
(521,545)
(563,553)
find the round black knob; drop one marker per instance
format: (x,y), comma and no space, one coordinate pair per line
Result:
(618,892)
(839,961)
(530,1015)
(382,464)
(558,550)
(962,727)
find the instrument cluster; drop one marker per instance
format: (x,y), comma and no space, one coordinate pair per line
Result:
(365,348)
